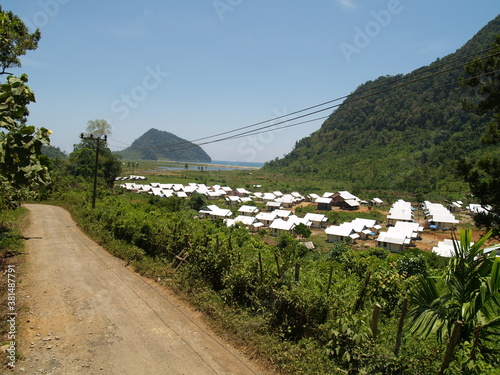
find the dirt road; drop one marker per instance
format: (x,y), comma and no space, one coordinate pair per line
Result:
(89,314)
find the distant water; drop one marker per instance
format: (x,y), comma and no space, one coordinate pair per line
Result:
(238,163)
(223,165)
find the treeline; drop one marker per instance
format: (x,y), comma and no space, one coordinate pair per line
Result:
(393,134)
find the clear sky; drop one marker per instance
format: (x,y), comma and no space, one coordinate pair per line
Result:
(196,68)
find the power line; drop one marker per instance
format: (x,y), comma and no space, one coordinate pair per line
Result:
(255,131)
(396,80)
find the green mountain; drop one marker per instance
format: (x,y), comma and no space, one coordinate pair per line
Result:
(157,144)
(404,132)
(53,152)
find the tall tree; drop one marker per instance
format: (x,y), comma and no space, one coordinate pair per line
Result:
(483,174)
(15,40)
(98,128)
(82,161)
(23,168)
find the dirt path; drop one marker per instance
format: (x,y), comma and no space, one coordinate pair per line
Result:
(88,314)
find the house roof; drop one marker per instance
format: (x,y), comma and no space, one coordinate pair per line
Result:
(245,220)
(393,238)
(360,224)
(299,220)
(213,210)
(344,230)
(281,224)
(283,213)
(266,216)
(346,195)
(352,202)
(248,209)
(316,217)
(323,200)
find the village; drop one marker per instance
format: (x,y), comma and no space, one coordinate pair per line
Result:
(427,227)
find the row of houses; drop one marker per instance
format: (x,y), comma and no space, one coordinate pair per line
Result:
(402,231)
(273,200)
(277,221)
(438,216)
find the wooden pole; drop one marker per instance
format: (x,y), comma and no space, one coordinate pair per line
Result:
(477,333)
(375,317)
(297,272)
(452,342)
(404,309)
(277,263)
(260,267)
(329,281)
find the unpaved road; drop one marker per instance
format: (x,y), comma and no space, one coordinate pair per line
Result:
(86,313)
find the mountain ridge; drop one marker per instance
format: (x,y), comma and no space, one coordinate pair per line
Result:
(406,138)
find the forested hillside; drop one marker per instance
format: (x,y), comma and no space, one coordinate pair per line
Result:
(157,144)
(404,132)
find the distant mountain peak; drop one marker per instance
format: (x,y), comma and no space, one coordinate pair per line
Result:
(159,144)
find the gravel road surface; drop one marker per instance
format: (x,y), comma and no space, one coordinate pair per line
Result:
(86,313)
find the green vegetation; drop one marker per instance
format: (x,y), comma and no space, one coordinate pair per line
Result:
(483,174)
(156,144)
(303,311)
(331,310)
(396,136)
(11,250)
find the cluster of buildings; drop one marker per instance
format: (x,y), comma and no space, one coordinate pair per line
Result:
(277,217)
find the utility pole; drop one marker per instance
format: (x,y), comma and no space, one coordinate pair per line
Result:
(98,143)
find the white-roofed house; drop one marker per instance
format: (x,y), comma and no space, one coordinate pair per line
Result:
(242,192)
(251,223)
(212,195)
(324,204)
(266,218)
(317,220)
(445,248)
(271,206)
(233,199)
(258,195)
(286,200)
(312,197)
(299,220)
(376,202)
(341,233)
(475,208)
(365,227)
(439,216)
(400,211)
(297,196)
(215,212)
(279,226)
(247,210)
(283,214)
(268,197)
(412,230)
(346,200)
(393,241)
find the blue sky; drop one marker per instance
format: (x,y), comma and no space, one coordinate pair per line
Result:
(196,68)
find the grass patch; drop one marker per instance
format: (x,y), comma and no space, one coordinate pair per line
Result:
(11,252)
